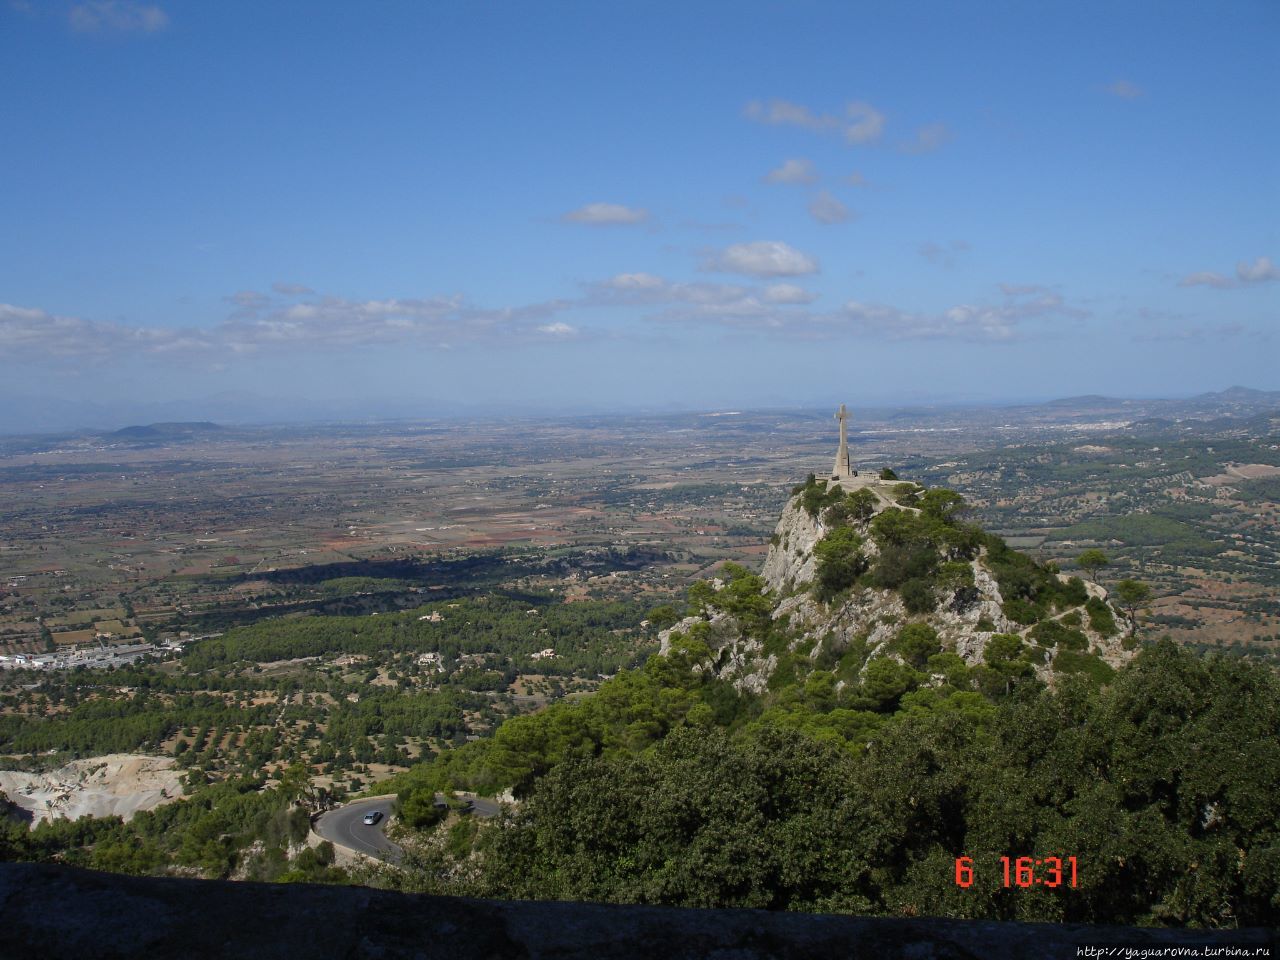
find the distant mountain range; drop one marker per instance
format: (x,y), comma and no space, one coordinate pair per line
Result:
(26,414)
(166,431)
(156,421)
(1232,396)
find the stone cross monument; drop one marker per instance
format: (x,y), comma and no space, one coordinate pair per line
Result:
(842,470)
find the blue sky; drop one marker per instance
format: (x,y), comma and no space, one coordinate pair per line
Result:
(587,205)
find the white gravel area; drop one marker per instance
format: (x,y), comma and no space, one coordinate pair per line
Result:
(119,784)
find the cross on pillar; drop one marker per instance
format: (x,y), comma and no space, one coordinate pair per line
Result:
(842,469)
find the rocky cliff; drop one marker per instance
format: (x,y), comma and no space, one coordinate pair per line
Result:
(955,589)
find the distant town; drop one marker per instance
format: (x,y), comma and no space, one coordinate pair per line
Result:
(103,654)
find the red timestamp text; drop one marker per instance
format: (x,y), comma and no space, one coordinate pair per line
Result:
(1026,872)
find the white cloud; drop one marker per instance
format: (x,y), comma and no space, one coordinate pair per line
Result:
(322,323)
(333,321)
(606,214)
(826,208)
(1124,90)
(1261,270)
(249,299)
(860,123)
(636,281)
(781,309)
(259,324)
(763,258)
(647,289)
(865,122)
(724,304)
(793,171)
(783,112)
(121,16)
(927,139)
(291,289)
(788,293)
(1205,278)
(987,323)
(38,334)
(946,254)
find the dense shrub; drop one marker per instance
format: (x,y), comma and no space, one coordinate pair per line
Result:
(840,561)
(1089,664)
(917,642)
(1020,611)
(1051,633)
(1101,619)
(816,496)
(918,596)
(856,507)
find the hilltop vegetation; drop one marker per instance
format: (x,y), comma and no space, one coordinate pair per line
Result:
(1170,827)
(666,787)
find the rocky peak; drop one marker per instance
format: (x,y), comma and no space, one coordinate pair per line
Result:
(790,561)
(922,566)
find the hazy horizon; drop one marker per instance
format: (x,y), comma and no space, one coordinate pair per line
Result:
(19,416)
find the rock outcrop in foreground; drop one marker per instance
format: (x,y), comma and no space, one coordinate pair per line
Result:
(55,912)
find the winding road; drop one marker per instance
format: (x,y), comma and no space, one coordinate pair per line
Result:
(481,806)
(345,826)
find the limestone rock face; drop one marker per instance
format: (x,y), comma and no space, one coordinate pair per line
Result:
(878,615)
(683,627)
(738,657)
(869,616)
(742,664)
(790,560)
